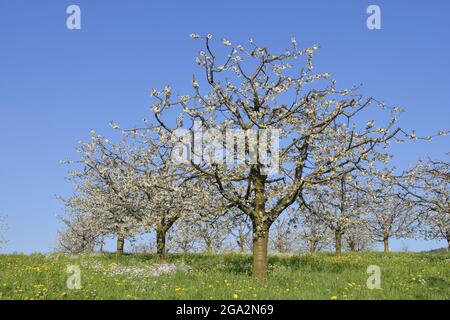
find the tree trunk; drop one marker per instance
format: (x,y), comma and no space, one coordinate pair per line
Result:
(241,245)
(209,245)
(241,241)
(120,244)
(386,244)
(261,226)
(260,243)
(338,239)
(351,245)
(162,228)
(312,245)
(161,243)
(448,242)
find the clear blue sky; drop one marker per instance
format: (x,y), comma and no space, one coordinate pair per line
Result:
(56,84)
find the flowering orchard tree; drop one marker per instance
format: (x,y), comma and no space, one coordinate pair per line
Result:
(78,236)
(281,235)
(203,232)
(164,197)
(253,91)
(428,185)
(106,191)
(358,236)
(200,230)
(241,232)
(391,215)
(181,238)
(169,192)
(132,186)
(311,230)
(340,204)
(213,232)
(94,213)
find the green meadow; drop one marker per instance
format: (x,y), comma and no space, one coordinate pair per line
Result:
(224,276)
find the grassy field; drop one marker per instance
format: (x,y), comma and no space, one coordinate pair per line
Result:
(225,276)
